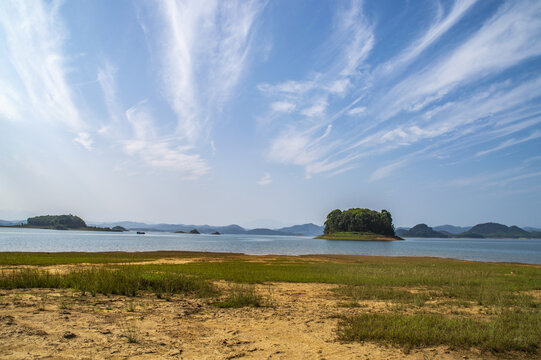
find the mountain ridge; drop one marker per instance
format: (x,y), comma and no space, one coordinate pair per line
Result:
(484,230)
(309,229)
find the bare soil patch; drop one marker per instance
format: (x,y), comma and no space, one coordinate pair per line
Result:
(299,324)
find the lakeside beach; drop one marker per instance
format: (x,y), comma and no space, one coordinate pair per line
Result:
(149,305)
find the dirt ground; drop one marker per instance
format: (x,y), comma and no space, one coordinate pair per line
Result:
(300,323)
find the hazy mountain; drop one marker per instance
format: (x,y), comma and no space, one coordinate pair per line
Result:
(12,222)
(263,231)
(532,229)
(305,229)
(495,230)
(421,231)
(452,228)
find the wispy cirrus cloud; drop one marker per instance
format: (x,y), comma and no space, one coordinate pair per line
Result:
(511,142)
(138,133)
(205,50)
(265,180)
(443,96)
(159,151)
(35,81)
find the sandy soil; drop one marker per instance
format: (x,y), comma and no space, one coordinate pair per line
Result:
(300,324)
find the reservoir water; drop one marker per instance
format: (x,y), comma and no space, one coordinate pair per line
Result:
(38,240)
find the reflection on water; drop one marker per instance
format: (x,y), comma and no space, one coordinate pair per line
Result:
(507,250)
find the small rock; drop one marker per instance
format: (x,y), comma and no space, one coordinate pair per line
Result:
(68,335)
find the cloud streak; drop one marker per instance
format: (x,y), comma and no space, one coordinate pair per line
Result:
(445,95)
(39,88)
(206,49)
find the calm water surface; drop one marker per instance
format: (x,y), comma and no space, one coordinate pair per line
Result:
(506,250)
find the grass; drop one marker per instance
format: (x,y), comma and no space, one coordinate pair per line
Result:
(241,295)
(61,258)
(357,293)
(429,302)
(459,277)
(131,306)
(507,332)
(364,236)
(130,332)
(125,280)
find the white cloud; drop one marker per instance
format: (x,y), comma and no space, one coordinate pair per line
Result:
(205,52)
(85,140)
(106,75)
(426,98)
(290,88)
(302,144)
(282,106)
(505,40)
(430,36)
(265,180)
(8,109)
(160,151)
(357,110)
(387,170)
(339,86)
(510,142)
(35,38)
(317,109)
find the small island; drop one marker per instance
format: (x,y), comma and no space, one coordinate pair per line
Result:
(359,224)
(62,222)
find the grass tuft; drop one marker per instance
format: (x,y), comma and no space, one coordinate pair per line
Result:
(130,332)
(241,296)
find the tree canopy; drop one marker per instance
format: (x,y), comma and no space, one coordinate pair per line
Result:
(359,220)
(57,221)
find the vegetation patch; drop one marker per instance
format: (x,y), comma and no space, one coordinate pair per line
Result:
(61,258)
(125,280)
(241,295)
(508,331)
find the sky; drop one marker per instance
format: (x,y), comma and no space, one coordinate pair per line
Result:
(271,113)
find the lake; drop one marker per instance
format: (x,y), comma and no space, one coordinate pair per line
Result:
(34,240)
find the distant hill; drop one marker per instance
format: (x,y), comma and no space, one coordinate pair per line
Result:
(305,229)
(263,231)
(532,229)
(485,230)
(452,228)
(421,231)
(495,230)
(12,222)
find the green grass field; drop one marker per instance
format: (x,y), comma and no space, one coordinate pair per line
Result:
(428,301)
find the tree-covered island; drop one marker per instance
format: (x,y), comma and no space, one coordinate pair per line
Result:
(63,222)
(359,224)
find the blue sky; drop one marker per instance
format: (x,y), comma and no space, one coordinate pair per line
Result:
(271,113)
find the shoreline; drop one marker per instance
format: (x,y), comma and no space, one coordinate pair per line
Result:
(186,254)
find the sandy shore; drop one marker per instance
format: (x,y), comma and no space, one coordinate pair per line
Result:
(299,322)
